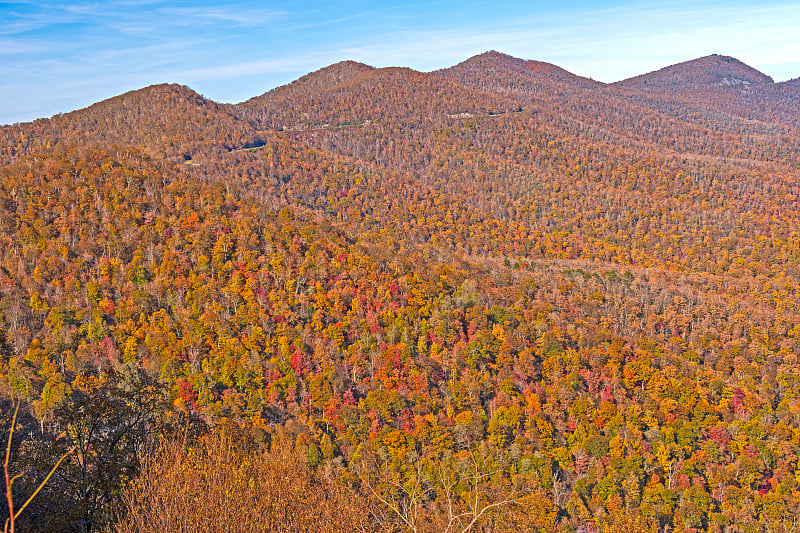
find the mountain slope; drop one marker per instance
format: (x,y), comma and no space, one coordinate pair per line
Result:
(793,85)
(718,92)
(171,120)
(709,71)
(666,114)
(495,71)
(332,98)
(322,80)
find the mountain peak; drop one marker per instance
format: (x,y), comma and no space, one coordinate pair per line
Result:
(521,73)
(321,80)
(341,70)
(491,58)
(707,71)
(494,54)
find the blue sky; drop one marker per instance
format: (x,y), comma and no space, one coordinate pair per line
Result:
(56,57)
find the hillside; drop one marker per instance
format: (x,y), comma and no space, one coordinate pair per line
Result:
(344,96)
(709,71)
(719,91)
(164,120)
(495,71)
(791,85)
(573,304)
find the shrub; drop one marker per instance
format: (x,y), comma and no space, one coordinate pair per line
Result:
(224,482)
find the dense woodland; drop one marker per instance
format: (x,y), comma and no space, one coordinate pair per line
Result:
(496,297)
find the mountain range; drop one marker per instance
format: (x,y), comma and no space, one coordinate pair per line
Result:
(719,85)
(574,303)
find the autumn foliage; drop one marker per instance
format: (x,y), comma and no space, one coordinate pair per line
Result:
(494,296)
(225,482)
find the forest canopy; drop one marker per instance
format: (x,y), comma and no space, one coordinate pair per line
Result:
(494,296)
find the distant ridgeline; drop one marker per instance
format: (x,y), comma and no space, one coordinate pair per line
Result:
(498,296)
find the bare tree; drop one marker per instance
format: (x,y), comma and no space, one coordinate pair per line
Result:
(452,493)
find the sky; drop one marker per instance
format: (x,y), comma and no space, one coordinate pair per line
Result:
(60,56)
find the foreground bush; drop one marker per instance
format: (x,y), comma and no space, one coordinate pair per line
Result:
(225,483)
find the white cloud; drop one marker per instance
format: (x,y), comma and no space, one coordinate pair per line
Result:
(235,70)
(10,47)
(236,15)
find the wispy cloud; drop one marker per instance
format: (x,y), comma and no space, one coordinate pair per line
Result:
(248,68)
(91,9)
(21,23)
(332,21)
(12,46)
(226,15)
(141,3)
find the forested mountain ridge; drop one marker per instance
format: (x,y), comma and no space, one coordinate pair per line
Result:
(508,71)
(498,292)
(722,84)
(713,70)
(373,95)
(164,120)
